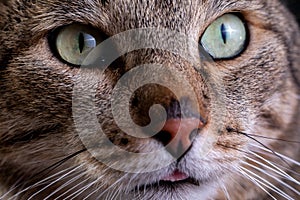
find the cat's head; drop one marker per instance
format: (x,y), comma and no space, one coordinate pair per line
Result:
(147,99)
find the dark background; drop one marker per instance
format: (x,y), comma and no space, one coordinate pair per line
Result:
(294,6)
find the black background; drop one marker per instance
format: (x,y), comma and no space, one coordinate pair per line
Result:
(294,6)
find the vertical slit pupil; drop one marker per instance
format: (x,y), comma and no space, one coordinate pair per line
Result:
(224,33)
(81,42)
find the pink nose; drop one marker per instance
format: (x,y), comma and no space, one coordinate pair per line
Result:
(178,134)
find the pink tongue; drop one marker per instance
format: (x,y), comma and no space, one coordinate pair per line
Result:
(175,176)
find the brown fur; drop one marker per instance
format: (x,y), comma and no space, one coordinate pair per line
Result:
(37,129)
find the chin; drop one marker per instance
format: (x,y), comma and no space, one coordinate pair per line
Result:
(171,191)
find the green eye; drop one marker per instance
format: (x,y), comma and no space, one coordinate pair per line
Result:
(74,42)
(225,37)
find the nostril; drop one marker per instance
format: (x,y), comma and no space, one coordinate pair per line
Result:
(164,137)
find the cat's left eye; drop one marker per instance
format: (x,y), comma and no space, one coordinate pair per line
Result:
(225,38)
(74,42)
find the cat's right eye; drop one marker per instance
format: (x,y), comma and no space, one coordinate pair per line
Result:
(74,42)
(226,37)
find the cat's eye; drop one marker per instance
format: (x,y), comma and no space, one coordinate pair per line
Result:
(74,42)
(225,38)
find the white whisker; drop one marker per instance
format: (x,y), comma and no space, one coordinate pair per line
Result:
(40,182)
(69,182)
(96,190)
(277,179)
(103,192)
(281,155)
(79,192)
(91,184)
(286,169)
(113,185)
(15,187)
(114,194)
(256,182)
(70,189)
(269,185)
(276,167)
(225,191)
(53,182)
(129,182)
(279,172)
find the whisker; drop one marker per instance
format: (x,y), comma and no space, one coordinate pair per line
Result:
(256,182)
(275,169)
(277,179)
(114,194)
(70,189)
(264,152)
(269,185)
(96,190)
(79,192)
(99,187)
(110,195)
(15,187)
(289,170)
(260,143)
(80,175)
(113,185)
(53,182)
(130,180)
(270,138)
(283,156)
(229,147)
(49,169)
(41,182)
(59,163)
(224,189)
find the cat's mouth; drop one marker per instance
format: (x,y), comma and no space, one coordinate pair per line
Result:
(173,180)
(179,177)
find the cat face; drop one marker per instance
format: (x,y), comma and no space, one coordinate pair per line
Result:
(148,99)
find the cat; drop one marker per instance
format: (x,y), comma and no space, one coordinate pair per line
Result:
(195,99)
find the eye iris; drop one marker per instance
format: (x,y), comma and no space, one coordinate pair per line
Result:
(225,37)
(75,42)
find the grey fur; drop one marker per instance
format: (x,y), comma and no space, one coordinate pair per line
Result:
(36,125)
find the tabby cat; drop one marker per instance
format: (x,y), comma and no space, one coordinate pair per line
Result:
(148,99)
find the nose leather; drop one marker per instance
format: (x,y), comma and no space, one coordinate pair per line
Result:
(180,133)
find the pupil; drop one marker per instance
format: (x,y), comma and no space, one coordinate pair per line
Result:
(224,33)
(81,42)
